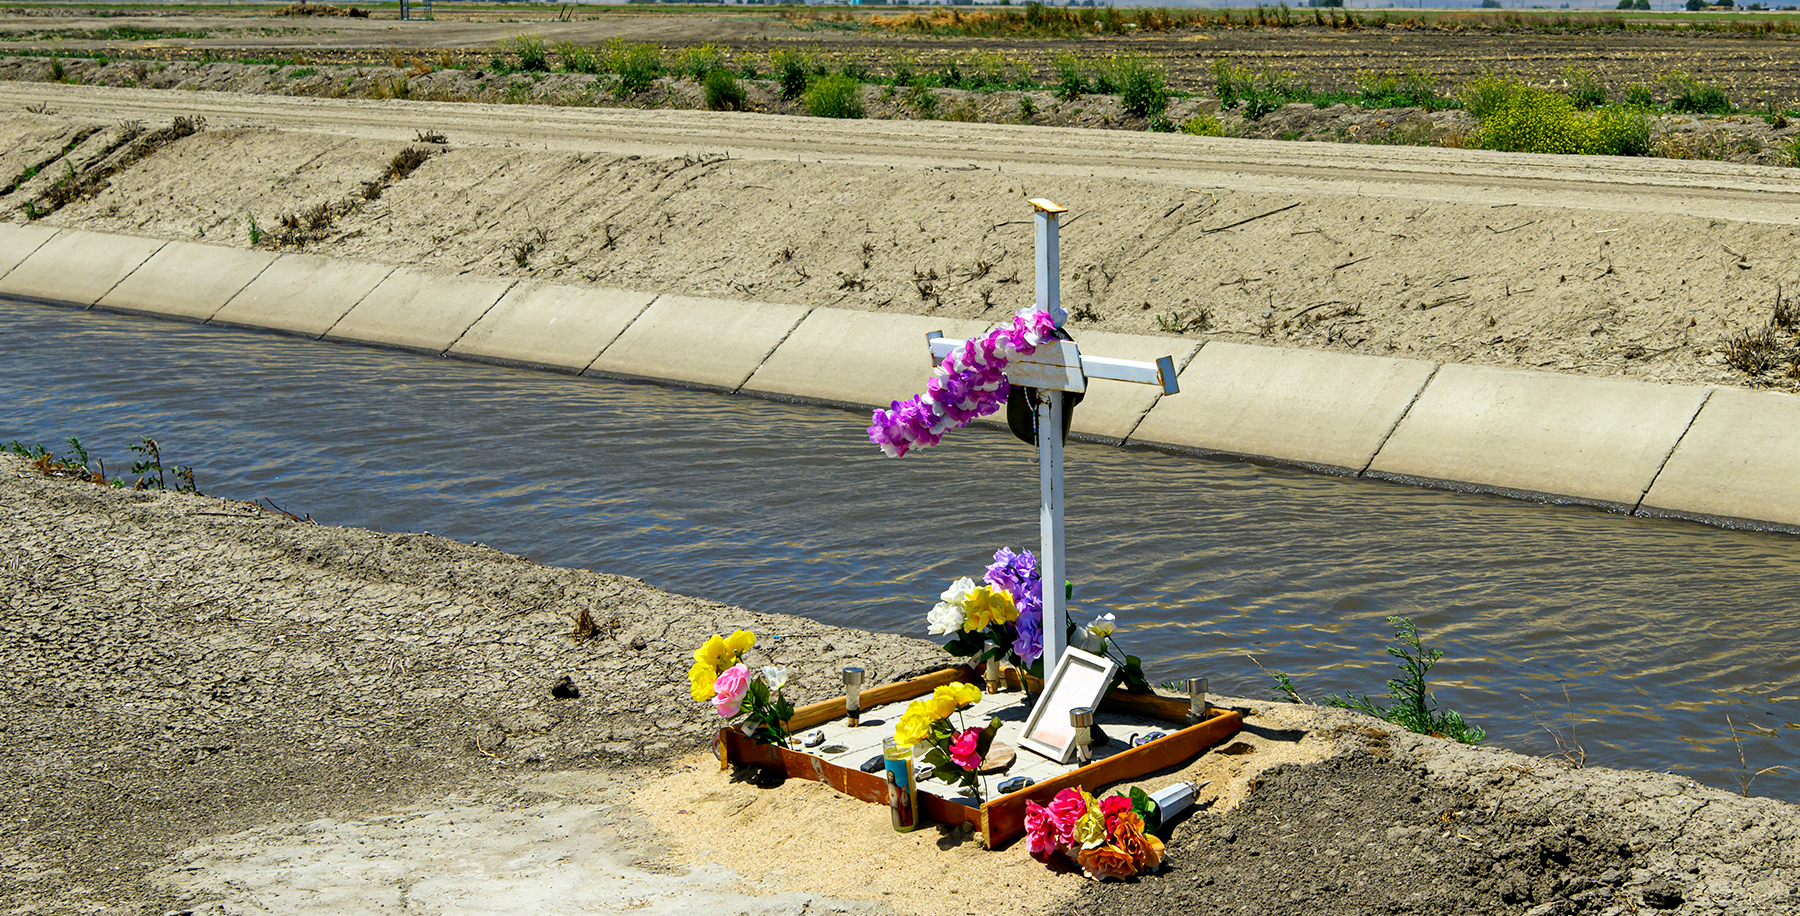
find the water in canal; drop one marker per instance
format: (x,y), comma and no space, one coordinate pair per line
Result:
(1658,631)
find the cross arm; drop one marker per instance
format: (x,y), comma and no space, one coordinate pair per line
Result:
(1160,373)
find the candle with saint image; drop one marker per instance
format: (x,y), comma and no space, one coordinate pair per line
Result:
(903,792)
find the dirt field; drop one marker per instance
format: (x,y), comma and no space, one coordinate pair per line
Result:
(216,709)
(1757,68)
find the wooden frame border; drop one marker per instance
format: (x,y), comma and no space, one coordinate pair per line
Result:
(1000,820)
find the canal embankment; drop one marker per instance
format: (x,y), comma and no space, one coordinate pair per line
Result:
(219,708)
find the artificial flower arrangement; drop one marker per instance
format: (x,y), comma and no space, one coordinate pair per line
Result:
(1007,610)
(970,382)
(954,754)
(1004,618)
(1112,837)
(720,675)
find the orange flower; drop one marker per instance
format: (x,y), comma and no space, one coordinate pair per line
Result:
(1145,850)
(1106,861)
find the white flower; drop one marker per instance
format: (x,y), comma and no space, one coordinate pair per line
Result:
(1102,626)
(775,677)
(959,591)
(946,618)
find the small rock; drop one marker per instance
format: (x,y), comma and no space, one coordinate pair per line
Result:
(638,643)
(565,689)
(1662,895)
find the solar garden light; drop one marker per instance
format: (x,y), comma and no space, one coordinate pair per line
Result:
(853,681)
(1082,718)
(1197,706)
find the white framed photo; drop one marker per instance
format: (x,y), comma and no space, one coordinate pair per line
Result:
(1080,679)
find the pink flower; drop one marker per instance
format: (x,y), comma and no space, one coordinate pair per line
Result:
(1066,808)
(965,749)
(729,689)
(1112,806)
(1040,830)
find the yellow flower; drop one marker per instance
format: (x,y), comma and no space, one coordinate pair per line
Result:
(914,726)
(739,643)
(700,681)
(1001,608)
(712,652)
(964,693)
(988,606)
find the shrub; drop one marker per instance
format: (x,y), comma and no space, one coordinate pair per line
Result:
(1143,86)
(723,92)
(1533,121)
(1638,95)
(1485,95)
(1618,131)
(793,71)
(1203,125)
(531,52)
(837,96)
(923,101)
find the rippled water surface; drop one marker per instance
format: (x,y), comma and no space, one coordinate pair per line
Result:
(1658,631)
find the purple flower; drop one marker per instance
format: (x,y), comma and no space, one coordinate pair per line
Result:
(970,382)
(1018,574)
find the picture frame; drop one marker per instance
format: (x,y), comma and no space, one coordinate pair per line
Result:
(1080,679)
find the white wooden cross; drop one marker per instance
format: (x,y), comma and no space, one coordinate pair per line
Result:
(1058,366)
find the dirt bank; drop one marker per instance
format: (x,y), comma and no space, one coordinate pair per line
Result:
(1640,268)
(217,709)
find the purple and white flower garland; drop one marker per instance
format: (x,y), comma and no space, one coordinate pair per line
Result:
(969,383)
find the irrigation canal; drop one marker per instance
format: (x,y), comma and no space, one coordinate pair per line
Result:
(1658,631)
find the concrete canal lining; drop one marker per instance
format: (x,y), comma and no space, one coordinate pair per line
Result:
(1716,455)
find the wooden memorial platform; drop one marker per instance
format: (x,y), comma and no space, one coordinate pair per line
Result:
(1001,819)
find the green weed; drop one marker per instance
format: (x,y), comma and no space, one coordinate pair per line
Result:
(1691,96)
(723,92)
(698,62)
(577,58)
(1414,707)
(1071,77)
(1143,85)
(836,96)
(1203,125)
(531,52)
(793,72)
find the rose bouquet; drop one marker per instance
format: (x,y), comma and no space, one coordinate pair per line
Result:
(720,675)
(1109,838)
(954,754)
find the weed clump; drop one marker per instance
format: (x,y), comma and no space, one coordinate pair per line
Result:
(637,64)
(837,96)
(532,54)
(793,73)
(1203,125)
(723,91)
(1691,96)
(1143,86)
(1414,708)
